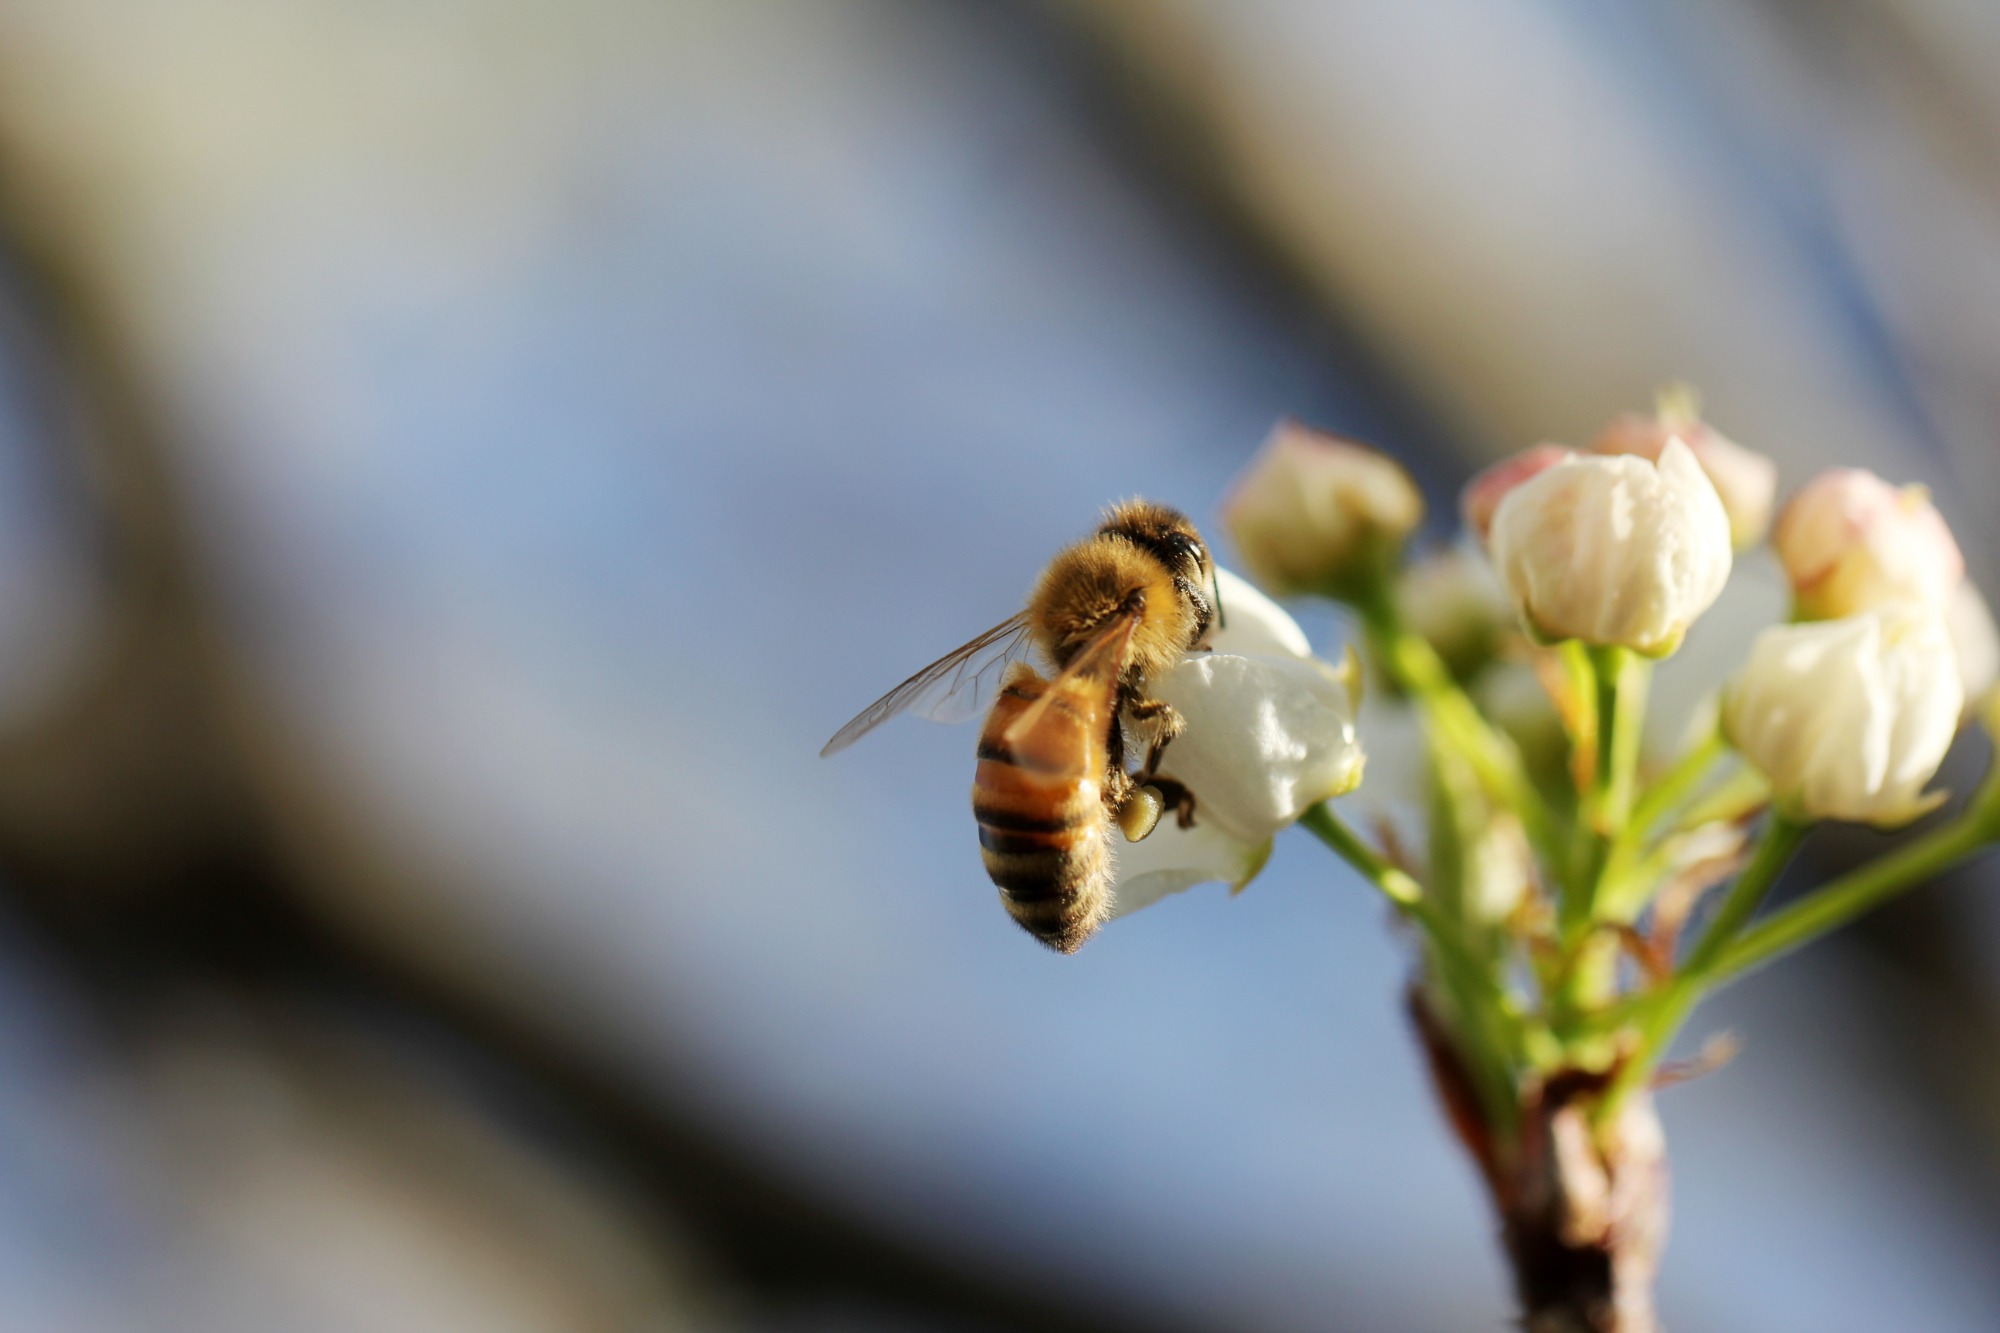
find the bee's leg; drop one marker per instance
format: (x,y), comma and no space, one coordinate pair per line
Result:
(1118,784)
(1176,798)
(1138,812)
(1163,722)
(1159,715)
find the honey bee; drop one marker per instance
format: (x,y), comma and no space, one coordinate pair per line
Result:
(1109,612)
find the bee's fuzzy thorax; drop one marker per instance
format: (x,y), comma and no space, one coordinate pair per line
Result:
(1085,587)
(1144,518)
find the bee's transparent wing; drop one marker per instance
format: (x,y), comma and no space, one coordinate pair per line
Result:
(1100,663)
(956,687)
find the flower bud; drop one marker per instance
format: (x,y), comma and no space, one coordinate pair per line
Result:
(1848,719)
(1976,640)
(1746,482)
(1454,600)
(1617,552)
(1483,494)
(1316,513)
(1850,542)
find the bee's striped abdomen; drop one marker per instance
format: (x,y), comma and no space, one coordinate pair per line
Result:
(1041,815)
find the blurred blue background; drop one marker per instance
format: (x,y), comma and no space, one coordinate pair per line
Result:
(459,460)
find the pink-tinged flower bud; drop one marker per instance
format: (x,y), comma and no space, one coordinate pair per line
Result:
(1848,719)
(1483,494)
(1851,542)
(1747,482)
(1316,513)
(1616,552)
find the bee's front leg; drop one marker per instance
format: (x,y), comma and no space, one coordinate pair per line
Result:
(1163,722)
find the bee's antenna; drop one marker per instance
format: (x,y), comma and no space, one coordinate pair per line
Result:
(1215,581)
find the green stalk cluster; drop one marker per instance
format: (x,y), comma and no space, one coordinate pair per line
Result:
(1600,965)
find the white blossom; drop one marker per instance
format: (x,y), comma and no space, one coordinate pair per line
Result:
(1849,719)
(1615,551)
(1252,625)
(1267,737)
(1269,733)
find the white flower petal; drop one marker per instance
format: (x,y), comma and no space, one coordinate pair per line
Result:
(1171,859)
(1267,737)
(1977,642)
(1482,495)
(1746,482)
(1270,731)
(1253,623)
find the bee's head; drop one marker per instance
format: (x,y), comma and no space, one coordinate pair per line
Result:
(1169,537)
(1166,534)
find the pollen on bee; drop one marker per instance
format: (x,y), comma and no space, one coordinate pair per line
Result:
(1141,811)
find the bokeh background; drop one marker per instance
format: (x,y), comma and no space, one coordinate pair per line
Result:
(459,459)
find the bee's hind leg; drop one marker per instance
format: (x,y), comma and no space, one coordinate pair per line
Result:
(1175,797)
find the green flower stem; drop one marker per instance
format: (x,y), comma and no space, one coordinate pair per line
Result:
(1674,786)
(1617,680)
(1588,727)
(1736,798)
(1458,808)
(1780,840)
(1624,680)
(1666,1014)
(1470,982)
(1620,679)
(1631,877)
(1581,670)
(1727,949)
(1859,891)
(1422,674)
(1396,885)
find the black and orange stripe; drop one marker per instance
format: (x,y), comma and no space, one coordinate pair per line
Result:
(1040,807)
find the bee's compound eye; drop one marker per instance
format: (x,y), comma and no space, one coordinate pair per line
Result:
(1140,813)
(1184,547)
